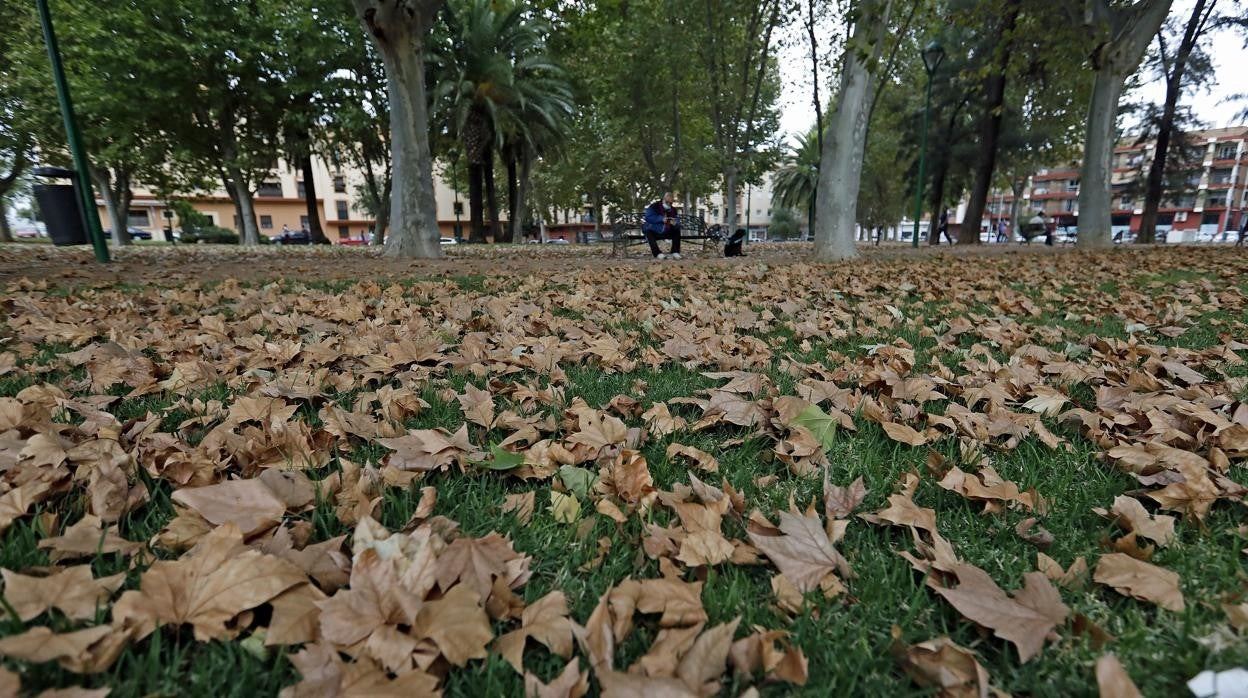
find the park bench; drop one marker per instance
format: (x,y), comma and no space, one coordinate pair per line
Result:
(626,232)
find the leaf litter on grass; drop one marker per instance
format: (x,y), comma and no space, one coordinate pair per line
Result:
(289,426)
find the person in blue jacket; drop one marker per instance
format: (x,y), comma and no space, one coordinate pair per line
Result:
(661,223)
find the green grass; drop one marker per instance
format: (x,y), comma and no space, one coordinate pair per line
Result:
(847,638)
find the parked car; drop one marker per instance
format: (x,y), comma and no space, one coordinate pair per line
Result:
(448,241)
(135,233)
(294,237)
(558,241)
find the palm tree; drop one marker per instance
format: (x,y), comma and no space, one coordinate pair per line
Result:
(795,181)
(497,89)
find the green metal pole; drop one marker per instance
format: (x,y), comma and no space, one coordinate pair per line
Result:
(86,194)
(918,194)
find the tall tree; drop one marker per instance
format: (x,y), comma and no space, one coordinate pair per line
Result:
(737,53)
(1001,42)
(1173,65)
(844,146)
(1121,32)
(500,92)
(399,29)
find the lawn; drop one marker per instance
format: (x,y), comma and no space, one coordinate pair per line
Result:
(699,478)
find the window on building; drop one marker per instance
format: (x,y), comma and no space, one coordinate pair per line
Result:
(266,222)
(1185,201)
(138,218)
(340,184)
(344,232)
(1211,218)
(1220,176)
(1072,185)
(270,189)
(301,190)
(1226,151)
(343,213)
(1216,200)
(1165,219)
(1127,201)
(458,208)
(303,221)
(1069,205)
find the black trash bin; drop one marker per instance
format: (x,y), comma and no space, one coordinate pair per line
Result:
(61,207)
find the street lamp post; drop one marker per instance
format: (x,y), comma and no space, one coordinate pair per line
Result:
(90,215)
(932,57)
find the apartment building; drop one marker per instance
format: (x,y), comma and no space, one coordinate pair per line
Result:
(1217,201)
(279,202)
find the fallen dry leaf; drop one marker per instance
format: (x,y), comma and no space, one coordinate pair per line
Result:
(217,580)
(940,663)
(803,552)
(1025,619)
(1142,580)
(1112,680)
(71,591)
(545,620)
(248,504)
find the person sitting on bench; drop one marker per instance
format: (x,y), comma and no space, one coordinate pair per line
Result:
(661,222)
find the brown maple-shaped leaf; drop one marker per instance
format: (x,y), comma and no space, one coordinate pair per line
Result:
(476,561)
(72,591)
(1112,680)
(941,663)
(521,504)
(207,587)
(660,420)
(1141,580)
(296,616)
(698,457)
(326,675)
(1026,619)
(545,620)
(426,449)
(757,653)
(86,538)
(596,638)
(903,433)
(1074,578)
(15,503)
(570,683)
(803,552)
(617,684)
(40,644)
(248,504)
(1030,530)
(630,476)
(902,511)
(840,502)
(457,625)
(706,660)
(1129,513)
(988,487)
(10,684)
(477,404)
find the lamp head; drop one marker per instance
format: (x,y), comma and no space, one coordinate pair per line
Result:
(933,55)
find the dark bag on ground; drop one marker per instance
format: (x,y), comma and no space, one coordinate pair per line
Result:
(732,248)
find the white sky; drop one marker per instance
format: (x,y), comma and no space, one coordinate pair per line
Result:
(1227,48)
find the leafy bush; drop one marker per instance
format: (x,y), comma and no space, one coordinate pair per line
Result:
(210,235)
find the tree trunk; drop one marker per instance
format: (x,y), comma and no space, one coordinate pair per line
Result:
(382,224)
(491,197)
(937,201)
(597,214)
(1165,130)
(840,162)
(6,234)
(513,197)
(476,205)
(524,190)
(118,212)
(730,199)
(1130,30)
(240,194)
(1095,183)
(1016,206)
(990,130)
(309,200)
(398,30)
